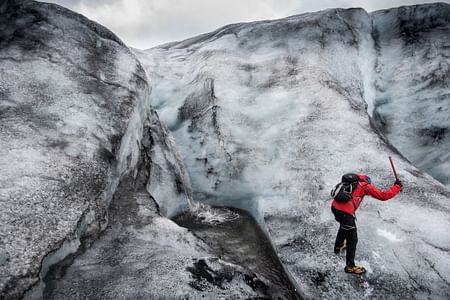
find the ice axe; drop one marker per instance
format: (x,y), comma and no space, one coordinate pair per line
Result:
(393,168)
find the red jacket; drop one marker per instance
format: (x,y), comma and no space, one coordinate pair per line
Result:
(362,189)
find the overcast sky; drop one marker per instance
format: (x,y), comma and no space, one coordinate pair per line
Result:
(146,23)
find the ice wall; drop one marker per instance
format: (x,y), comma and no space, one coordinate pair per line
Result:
(413,84)
(268,116)
(233,97)
(167,181)
(73,102)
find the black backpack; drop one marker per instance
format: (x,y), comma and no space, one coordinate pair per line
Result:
(342,192)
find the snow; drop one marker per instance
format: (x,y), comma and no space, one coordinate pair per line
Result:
(268,116)
(388,235)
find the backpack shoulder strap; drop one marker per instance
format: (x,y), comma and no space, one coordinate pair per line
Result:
(363,185)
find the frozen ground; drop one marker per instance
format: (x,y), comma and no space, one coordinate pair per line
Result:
(269,115)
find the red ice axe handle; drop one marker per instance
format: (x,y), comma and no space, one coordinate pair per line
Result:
(393,168)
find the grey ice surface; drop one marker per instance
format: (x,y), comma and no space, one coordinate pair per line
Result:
(74,102)
(167,180)
(240,241)
(73,99)
(269,115)
(413,84)
(142,255)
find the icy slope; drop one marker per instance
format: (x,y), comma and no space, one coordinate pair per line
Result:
(73,100)
(413,84)
(268,116)
(166,179)
(142,255)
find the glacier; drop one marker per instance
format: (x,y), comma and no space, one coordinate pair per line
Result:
(144,255)
(268,115)
(87,166)
(73,103)
(412,83)
(102,146)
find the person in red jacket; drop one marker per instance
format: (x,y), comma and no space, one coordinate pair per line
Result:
(345,215)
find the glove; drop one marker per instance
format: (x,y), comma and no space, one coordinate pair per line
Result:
(398,182)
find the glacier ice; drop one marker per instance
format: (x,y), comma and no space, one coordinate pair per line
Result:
(76,122)
(268,115)
(413,83)
(73,102)
(168,183)
(144,255)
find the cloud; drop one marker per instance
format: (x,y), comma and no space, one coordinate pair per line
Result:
(143,24)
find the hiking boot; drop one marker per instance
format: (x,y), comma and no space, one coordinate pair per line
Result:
(355,270)
(341,249)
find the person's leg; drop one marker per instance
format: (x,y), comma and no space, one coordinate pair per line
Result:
(341,234)
(351,236)
(347,232)
(340,239)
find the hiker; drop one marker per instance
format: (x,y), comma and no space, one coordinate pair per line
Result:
(344,212)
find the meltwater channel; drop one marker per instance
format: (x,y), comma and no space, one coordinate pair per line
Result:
(139,254)
(234,236)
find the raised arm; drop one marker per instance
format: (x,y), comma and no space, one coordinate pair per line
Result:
(373,191)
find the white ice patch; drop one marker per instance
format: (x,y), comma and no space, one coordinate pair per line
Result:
(388,235)
(214,216)
(72,151)
(367,266)
(144,212)
(165,235)
(367,289)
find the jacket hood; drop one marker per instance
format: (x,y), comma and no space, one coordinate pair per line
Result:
(364,177)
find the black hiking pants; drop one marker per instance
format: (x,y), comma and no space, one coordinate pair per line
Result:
(347,232)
